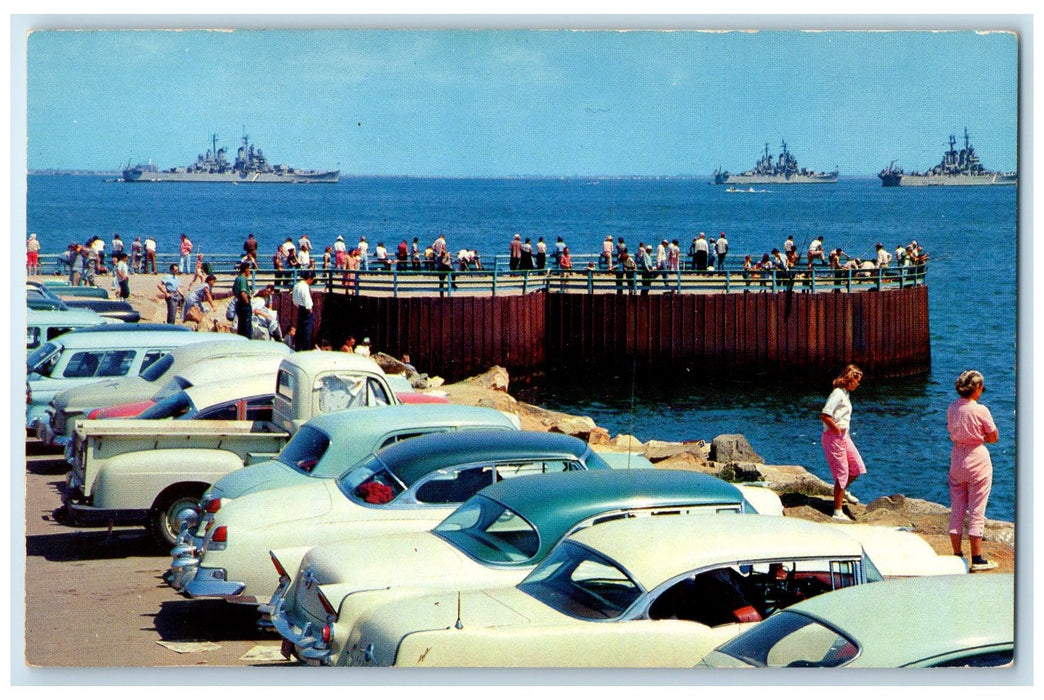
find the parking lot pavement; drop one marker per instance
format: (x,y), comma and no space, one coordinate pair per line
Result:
(95,598)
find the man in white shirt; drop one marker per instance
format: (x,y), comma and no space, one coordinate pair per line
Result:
(701,249)
(721,248)
(883,256)
(815,251)
(302,299)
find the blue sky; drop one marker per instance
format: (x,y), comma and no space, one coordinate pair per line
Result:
(516,102)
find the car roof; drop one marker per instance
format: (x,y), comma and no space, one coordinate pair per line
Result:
(231,389)
(223,349)
(220,368)
(411,459)
(347,425)
(314,361)
(559,501)
(59,316)
(136,328)
(695,541)
(958,610)
(110,338)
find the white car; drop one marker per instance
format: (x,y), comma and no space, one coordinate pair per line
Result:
(495,538)
(407,486)
(650,592)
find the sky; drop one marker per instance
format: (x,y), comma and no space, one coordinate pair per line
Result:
(472,102)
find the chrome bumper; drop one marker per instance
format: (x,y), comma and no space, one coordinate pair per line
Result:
(210,583)
(308,645)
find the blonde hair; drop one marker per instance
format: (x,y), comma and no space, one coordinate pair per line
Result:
(848,373)
(968,382)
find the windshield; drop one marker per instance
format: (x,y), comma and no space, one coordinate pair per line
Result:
(340,392)
(43,359)
(305,449)
(490,532)
(370,482)
(170,407)
(792,640)
(582,584)
(157,368)
(172,387)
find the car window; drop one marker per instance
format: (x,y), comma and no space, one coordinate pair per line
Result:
(978,659)
(82,364)
(43,359)
(32,337)
(154,370)
(337,393)
(151,357)
(399,437)
(378,396)
(749,592)
(540,466)
(791,640)
(259,407)
(172,387)
(490,532)
(285,385)
(116,363)
(453,487)
(370,482)
(580,583)
(223,411)
(305,449)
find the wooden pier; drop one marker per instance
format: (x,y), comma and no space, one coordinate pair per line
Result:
(746,331)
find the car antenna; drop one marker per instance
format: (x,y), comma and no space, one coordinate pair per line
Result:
(459,625)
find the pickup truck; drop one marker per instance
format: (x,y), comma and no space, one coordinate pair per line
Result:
(149,472)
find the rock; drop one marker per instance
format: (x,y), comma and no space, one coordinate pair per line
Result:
(900,503)
(627,443)
(577,426)
(688,461)
(733,448)
(495,378)
(740,471)
(598,436)
(389,364)
(658,450)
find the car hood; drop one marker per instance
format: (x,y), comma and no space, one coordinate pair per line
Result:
(103,394)
(262,476)
(278,506)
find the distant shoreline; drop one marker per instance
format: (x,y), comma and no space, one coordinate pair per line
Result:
(709,178)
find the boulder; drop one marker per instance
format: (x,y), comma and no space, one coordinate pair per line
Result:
(627,443)
(733,448)
(495,378)
(598,436)
(688,461)
(658,450)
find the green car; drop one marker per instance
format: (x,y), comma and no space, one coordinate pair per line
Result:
(936,621)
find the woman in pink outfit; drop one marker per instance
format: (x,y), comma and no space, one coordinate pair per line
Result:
(971,472)
(841,454)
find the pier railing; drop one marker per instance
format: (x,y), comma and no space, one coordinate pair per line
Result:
(588,278)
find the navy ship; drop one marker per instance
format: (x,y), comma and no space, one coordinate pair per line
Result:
(770,171)
(958,168)
(250,166)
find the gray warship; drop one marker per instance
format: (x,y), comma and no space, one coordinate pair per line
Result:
(250,166)
(781,171)
(958,168)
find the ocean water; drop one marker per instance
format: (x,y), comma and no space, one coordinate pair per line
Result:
(899,425)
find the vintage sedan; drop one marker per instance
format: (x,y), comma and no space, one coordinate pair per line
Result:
(407,486)
(47,324)
(167,376)
(326,445)
(938,621)
(651,592)
(493,539)
(93,354)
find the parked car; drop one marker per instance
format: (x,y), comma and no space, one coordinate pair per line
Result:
(325,445)
(938,621)
(407,394)
(154,383)
(40,297)
(493,539)
(636,592)
(119,465)
(408,486)
(44,325)
(91,354)
(248,397)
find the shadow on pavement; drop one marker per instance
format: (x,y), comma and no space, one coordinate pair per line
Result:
(93,545)
(209,620)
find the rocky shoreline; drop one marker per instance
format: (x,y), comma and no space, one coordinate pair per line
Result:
(730,457)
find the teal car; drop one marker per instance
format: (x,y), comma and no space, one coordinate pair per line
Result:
(43,325)
(495,538)
(936,621)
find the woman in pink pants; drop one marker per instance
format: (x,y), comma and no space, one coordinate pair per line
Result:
(971,472)
(841,454)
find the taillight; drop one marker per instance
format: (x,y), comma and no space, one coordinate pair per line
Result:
(94,414)
(220,534)
(28,395)
(326,634)
(213,505)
